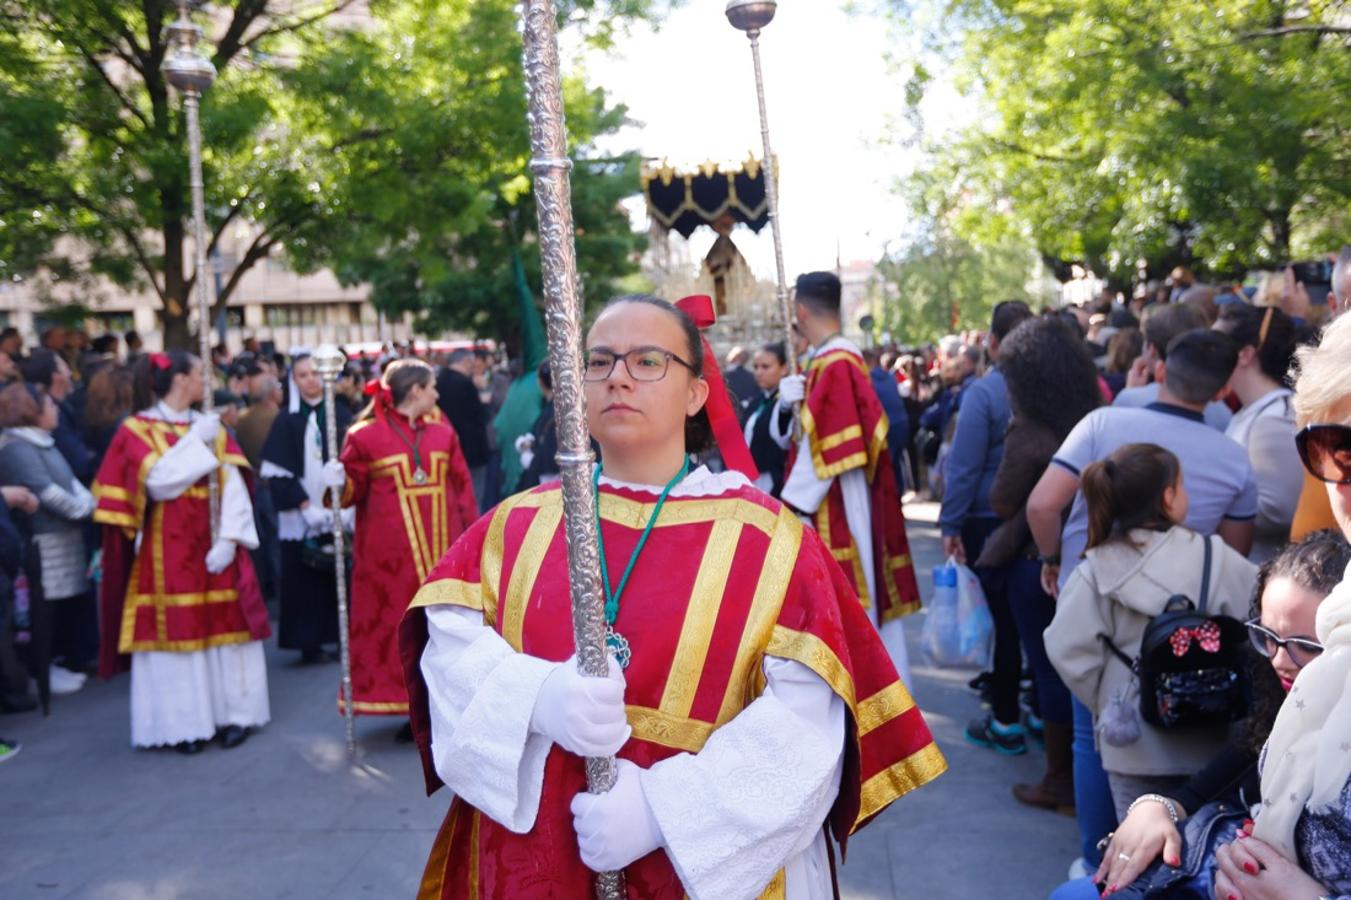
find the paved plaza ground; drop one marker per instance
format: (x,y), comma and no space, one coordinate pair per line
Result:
(82,815)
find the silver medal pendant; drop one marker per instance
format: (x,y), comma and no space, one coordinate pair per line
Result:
(618,645)
(419,476)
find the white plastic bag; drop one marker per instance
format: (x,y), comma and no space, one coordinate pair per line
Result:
(958,630)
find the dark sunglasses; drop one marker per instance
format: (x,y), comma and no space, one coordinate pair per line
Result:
(1325,451)
(1301,650)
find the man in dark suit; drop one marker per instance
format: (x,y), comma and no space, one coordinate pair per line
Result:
(459,400)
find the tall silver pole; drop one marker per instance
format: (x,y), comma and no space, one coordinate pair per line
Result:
(328,362)
(191,73)
(751,16)
(553,200)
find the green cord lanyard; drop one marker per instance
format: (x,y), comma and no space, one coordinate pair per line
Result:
(615,642)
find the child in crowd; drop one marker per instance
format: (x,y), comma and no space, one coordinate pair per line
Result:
(1139,556)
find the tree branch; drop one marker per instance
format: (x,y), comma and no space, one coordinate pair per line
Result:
(1285,30)
(229,217)
(262,245)
(1010,147)
(296,25)
(121,95)
(230,43)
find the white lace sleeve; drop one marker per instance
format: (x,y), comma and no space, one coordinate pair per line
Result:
(784,438)
(182,466)
(802,488)
(236,509)
(481,694)
(758,793)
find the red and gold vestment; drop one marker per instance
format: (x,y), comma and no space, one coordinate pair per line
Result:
(170,602)
(724,582)
(402,528)
(846,429)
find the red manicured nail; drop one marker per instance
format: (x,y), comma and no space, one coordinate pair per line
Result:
(1250,868)
(1233,897)
(1174,862)
(1248,823)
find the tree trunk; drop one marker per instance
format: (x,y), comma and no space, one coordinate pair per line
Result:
(1280,234)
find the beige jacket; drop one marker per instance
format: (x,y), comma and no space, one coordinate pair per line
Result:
(1114,592)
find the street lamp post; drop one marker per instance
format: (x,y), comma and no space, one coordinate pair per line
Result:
(751,16)
(190,73)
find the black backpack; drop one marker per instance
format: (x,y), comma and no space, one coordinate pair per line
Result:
(1191,665)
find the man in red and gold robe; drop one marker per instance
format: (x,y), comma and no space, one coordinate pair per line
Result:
(409,509)
(839,474)
(764,710)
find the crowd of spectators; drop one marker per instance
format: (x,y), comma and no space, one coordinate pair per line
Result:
(1086,459)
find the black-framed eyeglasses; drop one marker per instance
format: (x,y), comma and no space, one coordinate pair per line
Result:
(1325,451)
(1301,650)
(642,363)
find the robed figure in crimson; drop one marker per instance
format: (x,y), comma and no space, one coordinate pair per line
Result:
(839,474)
(186,609)
(402,469)
(754,712)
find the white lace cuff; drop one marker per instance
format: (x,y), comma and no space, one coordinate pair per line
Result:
(481,694)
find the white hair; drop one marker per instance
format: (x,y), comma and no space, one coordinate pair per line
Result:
(1319,373)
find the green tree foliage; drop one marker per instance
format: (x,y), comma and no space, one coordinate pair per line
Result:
(394,153)
(964,259)
(1157,130)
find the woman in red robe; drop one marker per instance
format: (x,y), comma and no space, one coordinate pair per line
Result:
(751,704)
(401,467)
(186,609)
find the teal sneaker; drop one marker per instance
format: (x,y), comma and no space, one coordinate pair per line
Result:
(1007,740)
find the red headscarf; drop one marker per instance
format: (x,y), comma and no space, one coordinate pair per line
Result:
(726,425)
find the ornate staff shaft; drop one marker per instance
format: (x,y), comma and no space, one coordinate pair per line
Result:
(553,200)
(192,73)
(751,16)
(191,104)
(772,201)
(328,360)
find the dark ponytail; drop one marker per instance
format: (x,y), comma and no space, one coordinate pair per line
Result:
(698,428)
(154,373)
(399,377)
(1126,490)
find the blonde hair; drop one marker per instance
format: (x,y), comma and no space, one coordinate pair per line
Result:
(1319,373)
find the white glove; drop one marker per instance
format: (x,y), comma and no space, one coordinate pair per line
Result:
(333,474)
(617,827)
(527,458)
(317,518)
(583,715)
(219,557)
(205,428)
(525,442)
(792,388)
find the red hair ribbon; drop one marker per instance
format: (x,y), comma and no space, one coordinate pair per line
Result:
(1207,634)
(160,361)
(726,424)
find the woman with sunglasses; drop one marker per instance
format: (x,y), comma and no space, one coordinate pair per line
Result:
(1265,425)
(1290,588)
(1301,843)
(750,700)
